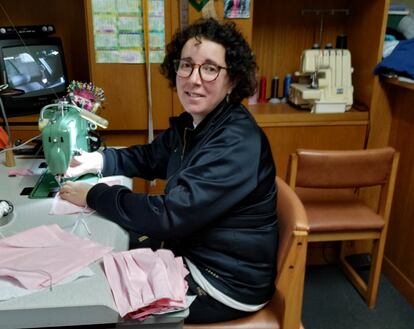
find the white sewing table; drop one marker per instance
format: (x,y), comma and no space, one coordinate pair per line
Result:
(85,301)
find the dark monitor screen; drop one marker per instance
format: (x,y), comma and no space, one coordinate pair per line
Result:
(35,69)
(35,66)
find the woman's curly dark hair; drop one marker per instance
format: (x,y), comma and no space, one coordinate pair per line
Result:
(240,60)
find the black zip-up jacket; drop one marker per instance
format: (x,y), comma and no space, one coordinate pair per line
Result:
(219,207)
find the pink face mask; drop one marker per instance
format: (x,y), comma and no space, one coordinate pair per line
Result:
(144,282)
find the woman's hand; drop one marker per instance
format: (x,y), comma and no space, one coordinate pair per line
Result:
(85,163)
(75,192)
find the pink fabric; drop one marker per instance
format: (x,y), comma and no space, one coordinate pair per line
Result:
(21,172)
(46,255)
(144,282)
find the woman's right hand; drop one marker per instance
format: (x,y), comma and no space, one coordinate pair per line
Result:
(85,163)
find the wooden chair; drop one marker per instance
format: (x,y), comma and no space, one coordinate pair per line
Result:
(284,310)
(328,182)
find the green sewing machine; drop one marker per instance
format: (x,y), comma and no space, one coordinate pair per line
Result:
(66,131)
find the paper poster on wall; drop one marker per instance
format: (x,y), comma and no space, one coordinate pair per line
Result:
(237,8)
(119,32)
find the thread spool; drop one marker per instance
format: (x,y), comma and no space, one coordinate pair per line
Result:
(341,41)
(275,91)
(262,91)
(10,162)
(286,85)
(6,208)
(275,87)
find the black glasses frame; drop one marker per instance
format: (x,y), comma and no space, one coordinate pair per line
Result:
(193,65)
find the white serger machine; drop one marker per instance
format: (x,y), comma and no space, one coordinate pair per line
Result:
(325,83)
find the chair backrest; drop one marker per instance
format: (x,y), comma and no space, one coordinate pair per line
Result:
(346,169)
(293,231)
(342,169)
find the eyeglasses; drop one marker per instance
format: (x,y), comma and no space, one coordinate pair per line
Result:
(208,71)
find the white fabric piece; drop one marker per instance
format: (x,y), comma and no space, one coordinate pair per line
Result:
(9,288)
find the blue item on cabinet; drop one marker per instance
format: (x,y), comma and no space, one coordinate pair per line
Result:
(400,61)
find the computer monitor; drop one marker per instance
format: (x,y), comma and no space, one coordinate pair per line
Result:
(35,66)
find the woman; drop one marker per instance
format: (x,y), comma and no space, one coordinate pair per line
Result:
(218,210)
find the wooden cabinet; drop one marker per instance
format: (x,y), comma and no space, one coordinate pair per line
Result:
(280,32)
(283,29)
(288,128)
(399,256)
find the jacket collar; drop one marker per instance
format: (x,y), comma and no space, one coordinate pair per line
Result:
(185,120)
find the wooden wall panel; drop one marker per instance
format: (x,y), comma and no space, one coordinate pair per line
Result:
(23,134)
(367,18)
(285,140)
(400,244)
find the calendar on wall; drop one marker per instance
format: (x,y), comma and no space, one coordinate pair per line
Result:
(118,31)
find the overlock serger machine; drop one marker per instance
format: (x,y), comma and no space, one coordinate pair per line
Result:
(325,81)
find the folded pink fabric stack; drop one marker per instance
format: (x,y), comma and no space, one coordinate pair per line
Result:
(46,255)
(145,282)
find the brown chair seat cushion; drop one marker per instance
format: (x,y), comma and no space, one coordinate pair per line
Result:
(337,210)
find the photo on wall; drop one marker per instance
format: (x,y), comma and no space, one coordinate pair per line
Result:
(236,8)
